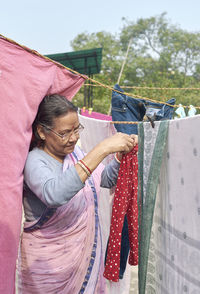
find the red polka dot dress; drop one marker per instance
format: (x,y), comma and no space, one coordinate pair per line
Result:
(125,202)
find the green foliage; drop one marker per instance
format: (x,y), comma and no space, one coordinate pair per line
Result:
(161,55)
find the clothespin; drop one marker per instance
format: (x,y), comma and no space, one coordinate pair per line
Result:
(83,109)
(150,119)
(90,110)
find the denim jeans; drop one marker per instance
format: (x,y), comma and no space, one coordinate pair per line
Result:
(125,108)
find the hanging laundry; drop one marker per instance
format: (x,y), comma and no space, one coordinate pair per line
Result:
(125,108)
(97,115)
(169,197)
(25,79)
(95,130)
(180,111)
(192,110)
(125,202)
(151,146)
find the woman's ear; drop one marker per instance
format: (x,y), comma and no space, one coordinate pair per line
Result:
(41,132)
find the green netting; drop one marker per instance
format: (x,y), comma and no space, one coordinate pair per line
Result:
(85,61)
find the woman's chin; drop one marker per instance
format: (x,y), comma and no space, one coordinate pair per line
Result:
(69,149)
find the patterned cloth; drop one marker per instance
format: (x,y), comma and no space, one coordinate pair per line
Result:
(125,202)
(169,194)
(100,130)
(65,255)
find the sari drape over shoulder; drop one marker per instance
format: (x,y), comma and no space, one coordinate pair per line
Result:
(65,255)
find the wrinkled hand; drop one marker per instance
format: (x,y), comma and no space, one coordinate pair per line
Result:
(120,154)
(135,138)
(120,142)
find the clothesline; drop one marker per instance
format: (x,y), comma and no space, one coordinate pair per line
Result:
(125,122)
(90,79)
(111,122)
(148,88)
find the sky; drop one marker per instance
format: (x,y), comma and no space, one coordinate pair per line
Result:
(49,26)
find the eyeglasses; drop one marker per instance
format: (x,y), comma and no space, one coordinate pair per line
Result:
(66,135)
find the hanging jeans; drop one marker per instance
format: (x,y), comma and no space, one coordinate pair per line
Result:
(125,108)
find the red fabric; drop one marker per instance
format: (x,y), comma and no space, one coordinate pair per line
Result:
(125,202)
(25,79)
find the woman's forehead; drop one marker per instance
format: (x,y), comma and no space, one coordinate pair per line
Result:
(67,121)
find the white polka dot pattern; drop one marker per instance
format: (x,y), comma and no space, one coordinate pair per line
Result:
(125,202)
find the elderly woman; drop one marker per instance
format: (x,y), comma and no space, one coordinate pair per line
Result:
(60,248)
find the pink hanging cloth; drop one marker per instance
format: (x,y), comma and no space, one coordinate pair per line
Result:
(25,78)
(125,202)
(96,115)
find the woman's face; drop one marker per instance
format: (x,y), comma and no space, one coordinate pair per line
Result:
(56,146)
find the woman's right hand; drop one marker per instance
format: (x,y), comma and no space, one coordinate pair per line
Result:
(119,142)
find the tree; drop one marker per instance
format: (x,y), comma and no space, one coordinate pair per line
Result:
(161,55)
(110,65)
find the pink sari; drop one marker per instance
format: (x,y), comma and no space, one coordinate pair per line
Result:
(65,255)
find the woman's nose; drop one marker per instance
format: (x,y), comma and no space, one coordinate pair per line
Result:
(73,137)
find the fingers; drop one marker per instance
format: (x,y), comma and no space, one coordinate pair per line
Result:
(131,141)
(128,144)
(135,138)
(121,142)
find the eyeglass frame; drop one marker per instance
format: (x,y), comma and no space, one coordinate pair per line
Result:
(64,136)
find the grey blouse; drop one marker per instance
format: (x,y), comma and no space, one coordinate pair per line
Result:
(46,185)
